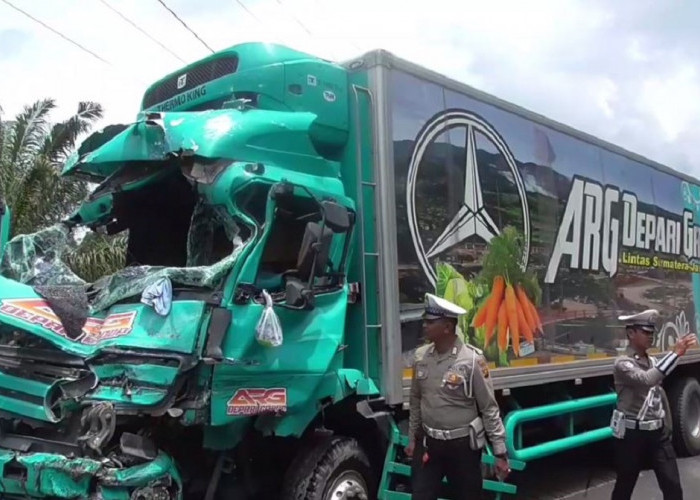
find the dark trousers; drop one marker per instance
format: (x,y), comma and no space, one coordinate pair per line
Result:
(453,459)
(642,450)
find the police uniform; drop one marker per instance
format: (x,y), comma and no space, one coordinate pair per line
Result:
(641,422)
(452,410)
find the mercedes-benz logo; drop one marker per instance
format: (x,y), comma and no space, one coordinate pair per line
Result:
(473,218)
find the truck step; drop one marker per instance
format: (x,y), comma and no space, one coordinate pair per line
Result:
(393,467)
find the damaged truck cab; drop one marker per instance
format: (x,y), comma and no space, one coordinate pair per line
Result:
(160,381)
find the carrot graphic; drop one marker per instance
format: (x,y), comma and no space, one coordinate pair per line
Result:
(512,311)
(502,327)
(525,304)
(493,304)
(480,317)
(499,284)
(491,316)
(522,323)
(536,317)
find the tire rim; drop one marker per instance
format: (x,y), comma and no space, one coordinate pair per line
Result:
(350,484)
(694,415)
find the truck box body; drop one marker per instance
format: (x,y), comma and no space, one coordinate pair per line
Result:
(607,232)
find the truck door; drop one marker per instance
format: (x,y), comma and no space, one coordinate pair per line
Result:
(302,261)
(298,261)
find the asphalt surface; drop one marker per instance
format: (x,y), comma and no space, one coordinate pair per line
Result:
(589,475)
(647,488)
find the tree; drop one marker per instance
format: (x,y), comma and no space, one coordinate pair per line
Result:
(32,154)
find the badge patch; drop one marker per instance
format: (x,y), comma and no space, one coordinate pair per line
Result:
(452,380)
(484,367)
(95,330)
(254,401)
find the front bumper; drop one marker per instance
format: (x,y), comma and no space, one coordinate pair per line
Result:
(42,475)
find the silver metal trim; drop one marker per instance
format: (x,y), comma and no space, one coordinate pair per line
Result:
(411,314)
(361,222)
(509,378)
(386,238)
(386,59)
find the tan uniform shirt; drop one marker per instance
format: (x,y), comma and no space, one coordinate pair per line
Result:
(635,376)
(447,388)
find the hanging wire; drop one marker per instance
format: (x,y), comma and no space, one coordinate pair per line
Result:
(56,32)
(141,30)
(185,25)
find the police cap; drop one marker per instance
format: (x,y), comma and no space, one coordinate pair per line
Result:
(646,320)
(437,308)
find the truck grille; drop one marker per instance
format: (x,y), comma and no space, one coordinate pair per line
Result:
(206,72)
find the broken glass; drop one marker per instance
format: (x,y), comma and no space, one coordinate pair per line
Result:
(36,260)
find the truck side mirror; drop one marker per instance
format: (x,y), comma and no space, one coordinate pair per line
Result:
(315,248)
(336,216)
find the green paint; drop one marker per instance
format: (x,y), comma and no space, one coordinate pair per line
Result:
(311,128)
(138,396)
(515,419)
(299,132)
(393,467)
(61,477)
(176,332)
(143,373)
(5,227)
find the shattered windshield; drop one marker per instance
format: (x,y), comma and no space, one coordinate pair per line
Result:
(174,239)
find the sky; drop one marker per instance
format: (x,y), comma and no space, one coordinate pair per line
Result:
(626,71)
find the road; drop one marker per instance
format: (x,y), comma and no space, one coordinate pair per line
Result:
(588,475)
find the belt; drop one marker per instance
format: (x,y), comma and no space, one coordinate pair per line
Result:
(644,425)
(446,435)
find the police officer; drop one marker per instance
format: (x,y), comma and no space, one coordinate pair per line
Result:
(453,409)
(640,422)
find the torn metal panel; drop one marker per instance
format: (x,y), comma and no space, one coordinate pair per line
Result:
(229,134)
(57,476)
(35,259)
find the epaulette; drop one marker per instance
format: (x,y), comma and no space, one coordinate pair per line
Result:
(474,348)
(625,360)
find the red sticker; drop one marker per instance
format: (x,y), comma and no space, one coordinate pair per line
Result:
(95,330)
(256,401)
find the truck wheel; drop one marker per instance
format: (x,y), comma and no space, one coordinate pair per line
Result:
(684,400)
(330,468)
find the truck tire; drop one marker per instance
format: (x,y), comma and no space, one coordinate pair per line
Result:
(330,468)
(684,400)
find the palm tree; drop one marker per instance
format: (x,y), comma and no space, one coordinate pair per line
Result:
(32,154)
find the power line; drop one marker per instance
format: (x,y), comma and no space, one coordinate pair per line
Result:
(239,2)
(56,32)
(300,23)
(185,25)
(141,30)
(293,16)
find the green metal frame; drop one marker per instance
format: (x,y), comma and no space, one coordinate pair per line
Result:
(515,420)
(391,466)
(517,454)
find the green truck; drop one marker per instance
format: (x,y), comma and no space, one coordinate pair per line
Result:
(285,217)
